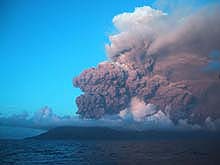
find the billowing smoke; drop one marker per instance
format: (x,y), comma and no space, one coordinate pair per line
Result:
(199,34)
(137,31)
(156,66)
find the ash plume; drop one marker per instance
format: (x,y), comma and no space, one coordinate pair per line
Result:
(155,65)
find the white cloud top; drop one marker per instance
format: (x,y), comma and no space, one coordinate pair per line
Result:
(141,17)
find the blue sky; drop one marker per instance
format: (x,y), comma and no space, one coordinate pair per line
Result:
(45,43)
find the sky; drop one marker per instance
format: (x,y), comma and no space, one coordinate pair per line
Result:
(45,43)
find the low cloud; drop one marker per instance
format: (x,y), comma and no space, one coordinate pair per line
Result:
(150,118)
(44,118)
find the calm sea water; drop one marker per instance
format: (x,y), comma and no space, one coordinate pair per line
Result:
(7,132)
(109,152)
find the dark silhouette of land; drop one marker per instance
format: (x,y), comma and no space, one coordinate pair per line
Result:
(117,146)
(104,133)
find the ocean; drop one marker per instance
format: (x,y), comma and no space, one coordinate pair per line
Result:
(150,152)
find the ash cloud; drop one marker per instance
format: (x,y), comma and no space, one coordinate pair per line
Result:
(154,68)
(199,34)
(152,31)
(137,31)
